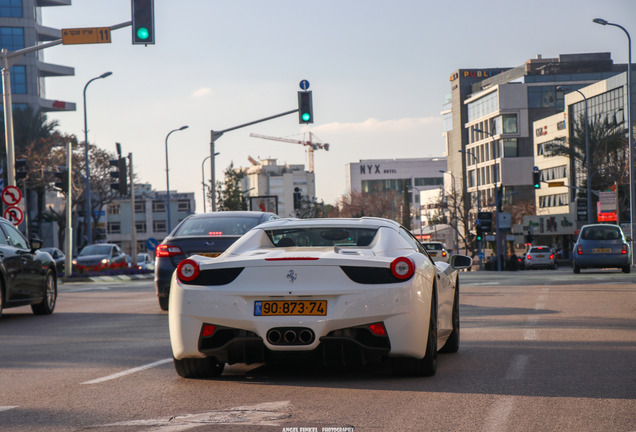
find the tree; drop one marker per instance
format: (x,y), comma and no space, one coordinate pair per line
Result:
(378,204)
(228,194)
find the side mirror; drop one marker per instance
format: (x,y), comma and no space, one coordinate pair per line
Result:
(460,262)
(36,243)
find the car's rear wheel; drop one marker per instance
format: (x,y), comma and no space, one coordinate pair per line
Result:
(427,366)
(47,305)
(452,344)
(576,269)
(1,298)
(627,268)
(198,367)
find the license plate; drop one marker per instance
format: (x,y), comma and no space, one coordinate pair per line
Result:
(540,256)
(210,255)
(602,250)
(290,307)
(432,253)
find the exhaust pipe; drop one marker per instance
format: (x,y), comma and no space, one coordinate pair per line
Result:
(306,336)
(273,336)
(290,336)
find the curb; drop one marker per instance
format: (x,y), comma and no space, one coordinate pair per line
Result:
(114,278)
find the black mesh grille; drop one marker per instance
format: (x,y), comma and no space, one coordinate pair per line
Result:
(370,275)
(216,277)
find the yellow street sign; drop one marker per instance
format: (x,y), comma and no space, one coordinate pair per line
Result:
(556,184)
(86,35)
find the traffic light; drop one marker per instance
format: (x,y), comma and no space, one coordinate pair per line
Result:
(20,169)
(485,221)
(297,198)
(480,234)
(536,179)
(305,107)
(62,180)
(121,183)
(143,22)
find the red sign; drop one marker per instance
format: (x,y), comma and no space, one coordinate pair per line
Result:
(11,195)
(14,215)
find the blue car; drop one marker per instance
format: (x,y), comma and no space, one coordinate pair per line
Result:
(601,246)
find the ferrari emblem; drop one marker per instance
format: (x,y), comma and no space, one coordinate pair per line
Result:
(292,275)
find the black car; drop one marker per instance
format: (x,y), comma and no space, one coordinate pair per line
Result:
(98,257)
(28,275)
(207,234)
(59,258)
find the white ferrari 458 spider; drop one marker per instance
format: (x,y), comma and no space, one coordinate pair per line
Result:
(344,291)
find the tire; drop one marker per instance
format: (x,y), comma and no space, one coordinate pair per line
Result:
(163,303)
(426,366)
(47,305)
(207,367)
(627,269)
(1,298)
(452,343)
(576,269)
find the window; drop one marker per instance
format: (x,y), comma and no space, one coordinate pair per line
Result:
(183,205)
(509,123)
(11,8)
(510,147)
(114,228)
(18,79)
(114,209)
(140,227)
(159,226)
(158,206)
(12,38)
(140,206)
(14,237)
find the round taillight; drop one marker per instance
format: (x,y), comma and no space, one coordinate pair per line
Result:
(403,268)
(188,270)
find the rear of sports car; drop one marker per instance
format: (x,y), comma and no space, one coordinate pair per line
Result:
(337,305)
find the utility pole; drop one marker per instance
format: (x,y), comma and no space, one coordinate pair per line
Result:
(132,211)
(68,231)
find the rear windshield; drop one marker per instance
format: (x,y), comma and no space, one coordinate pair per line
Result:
(216,226)
(321,237)
(433,246)
(540,249)
(95,250)
(601,233)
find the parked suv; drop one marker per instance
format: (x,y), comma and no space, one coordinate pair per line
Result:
(600,246)
(207,234)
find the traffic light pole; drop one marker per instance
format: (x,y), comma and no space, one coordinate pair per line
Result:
(217,134)
(68,231)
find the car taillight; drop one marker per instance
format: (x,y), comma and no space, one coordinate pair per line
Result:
(528,257)
(377,329)
(551,256)
(624,250)
(167,251)
(188,270)
(208,330)
(579,250)
(444,253)
(403,268)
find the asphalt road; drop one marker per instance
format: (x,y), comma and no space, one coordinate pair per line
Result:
(540,351)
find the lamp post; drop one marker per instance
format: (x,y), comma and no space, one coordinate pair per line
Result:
(590,212)
(630,128)
(468,152)
(203,181)
(168,176)
(454,209)
(89,215)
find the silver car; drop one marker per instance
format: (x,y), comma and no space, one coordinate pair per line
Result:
(601,246)
(436,250)
(540,257)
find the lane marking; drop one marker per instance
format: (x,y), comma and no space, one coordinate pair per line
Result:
(128,371)
(499,414)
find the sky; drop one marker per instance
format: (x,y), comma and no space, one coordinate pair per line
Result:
(378,71)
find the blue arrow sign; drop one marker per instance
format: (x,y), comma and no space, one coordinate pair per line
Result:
(151,244)
(304,85)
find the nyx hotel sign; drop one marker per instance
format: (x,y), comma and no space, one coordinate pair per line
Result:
(376,169)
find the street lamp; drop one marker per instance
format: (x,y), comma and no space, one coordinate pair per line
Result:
(630,128)
(168,176)
(590,213)
(89,215)
(455,209)
(468,152)
(203,179)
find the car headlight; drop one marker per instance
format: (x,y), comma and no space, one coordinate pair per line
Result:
(105,261)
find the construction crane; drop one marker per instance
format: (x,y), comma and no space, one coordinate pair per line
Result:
(311,145)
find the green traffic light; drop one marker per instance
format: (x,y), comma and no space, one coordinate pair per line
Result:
(306,116)
(143,33)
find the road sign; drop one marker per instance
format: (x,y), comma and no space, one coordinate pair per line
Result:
(86,35)
(151,244)
(556,184)
(304,84)
(11,195)
(14,215)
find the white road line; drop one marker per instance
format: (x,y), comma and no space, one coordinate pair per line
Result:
(531,333)
(498,416)
(517,367)
(128,372)
(6,408)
